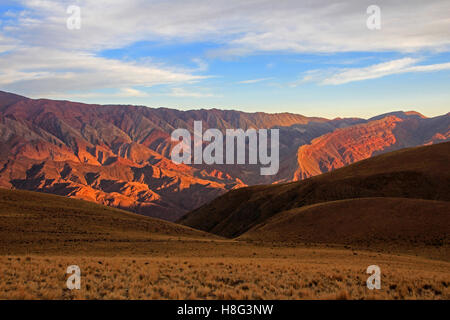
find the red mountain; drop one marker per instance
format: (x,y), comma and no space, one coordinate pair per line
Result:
(118,155)
(114,155)
(382,134)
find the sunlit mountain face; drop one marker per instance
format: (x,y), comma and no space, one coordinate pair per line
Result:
(121,155)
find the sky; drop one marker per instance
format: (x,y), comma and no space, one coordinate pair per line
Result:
(316,58)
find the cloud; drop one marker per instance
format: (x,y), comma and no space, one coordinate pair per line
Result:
(6,44)
(42,55)
(202,65)
(39,55)
(336,76)
(332,26)
(254,80)
(130,92)
(183,93)
(121,93)
(240,27)
(39,70)
(398,66)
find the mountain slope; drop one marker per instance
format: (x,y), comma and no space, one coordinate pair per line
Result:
(31,219)
(421,172)
(362,222)
(119,155)
(351,144)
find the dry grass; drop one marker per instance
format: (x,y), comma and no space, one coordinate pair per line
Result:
(387,223)
(32,222)
(249,273)
(126,256)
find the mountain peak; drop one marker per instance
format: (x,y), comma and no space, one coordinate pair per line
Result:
(7,98)
(399,114)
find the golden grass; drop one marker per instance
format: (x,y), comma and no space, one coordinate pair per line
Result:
(251,272)
(126,256)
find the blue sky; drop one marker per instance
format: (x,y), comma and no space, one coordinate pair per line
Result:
(313,58)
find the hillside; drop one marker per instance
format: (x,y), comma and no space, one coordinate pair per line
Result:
(380,135)
(119,155)
(365,222)
(36,222)
(421,172)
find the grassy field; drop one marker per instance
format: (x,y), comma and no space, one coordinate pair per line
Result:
(127,256)
(244,271)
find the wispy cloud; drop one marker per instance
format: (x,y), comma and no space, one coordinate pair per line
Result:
(202,65)
(121,93)
(39,70)
(7,44)
(342,76)
(183,93)
(255,80)
(130,92)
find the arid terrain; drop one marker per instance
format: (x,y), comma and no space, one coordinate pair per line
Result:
(238,272)
(119,155)
(127,256)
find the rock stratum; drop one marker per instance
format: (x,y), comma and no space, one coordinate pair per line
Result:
(118,155)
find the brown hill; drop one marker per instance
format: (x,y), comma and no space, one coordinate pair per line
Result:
(43,222)
(421,172)
(365,222)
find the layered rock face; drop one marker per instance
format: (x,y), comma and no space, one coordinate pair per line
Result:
(119,155)
(382,134)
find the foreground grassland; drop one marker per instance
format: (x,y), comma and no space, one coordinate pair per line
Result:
(225,270)
(127,256)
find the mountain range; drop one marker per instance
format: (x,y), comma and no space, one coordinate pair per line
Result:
(119,155)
